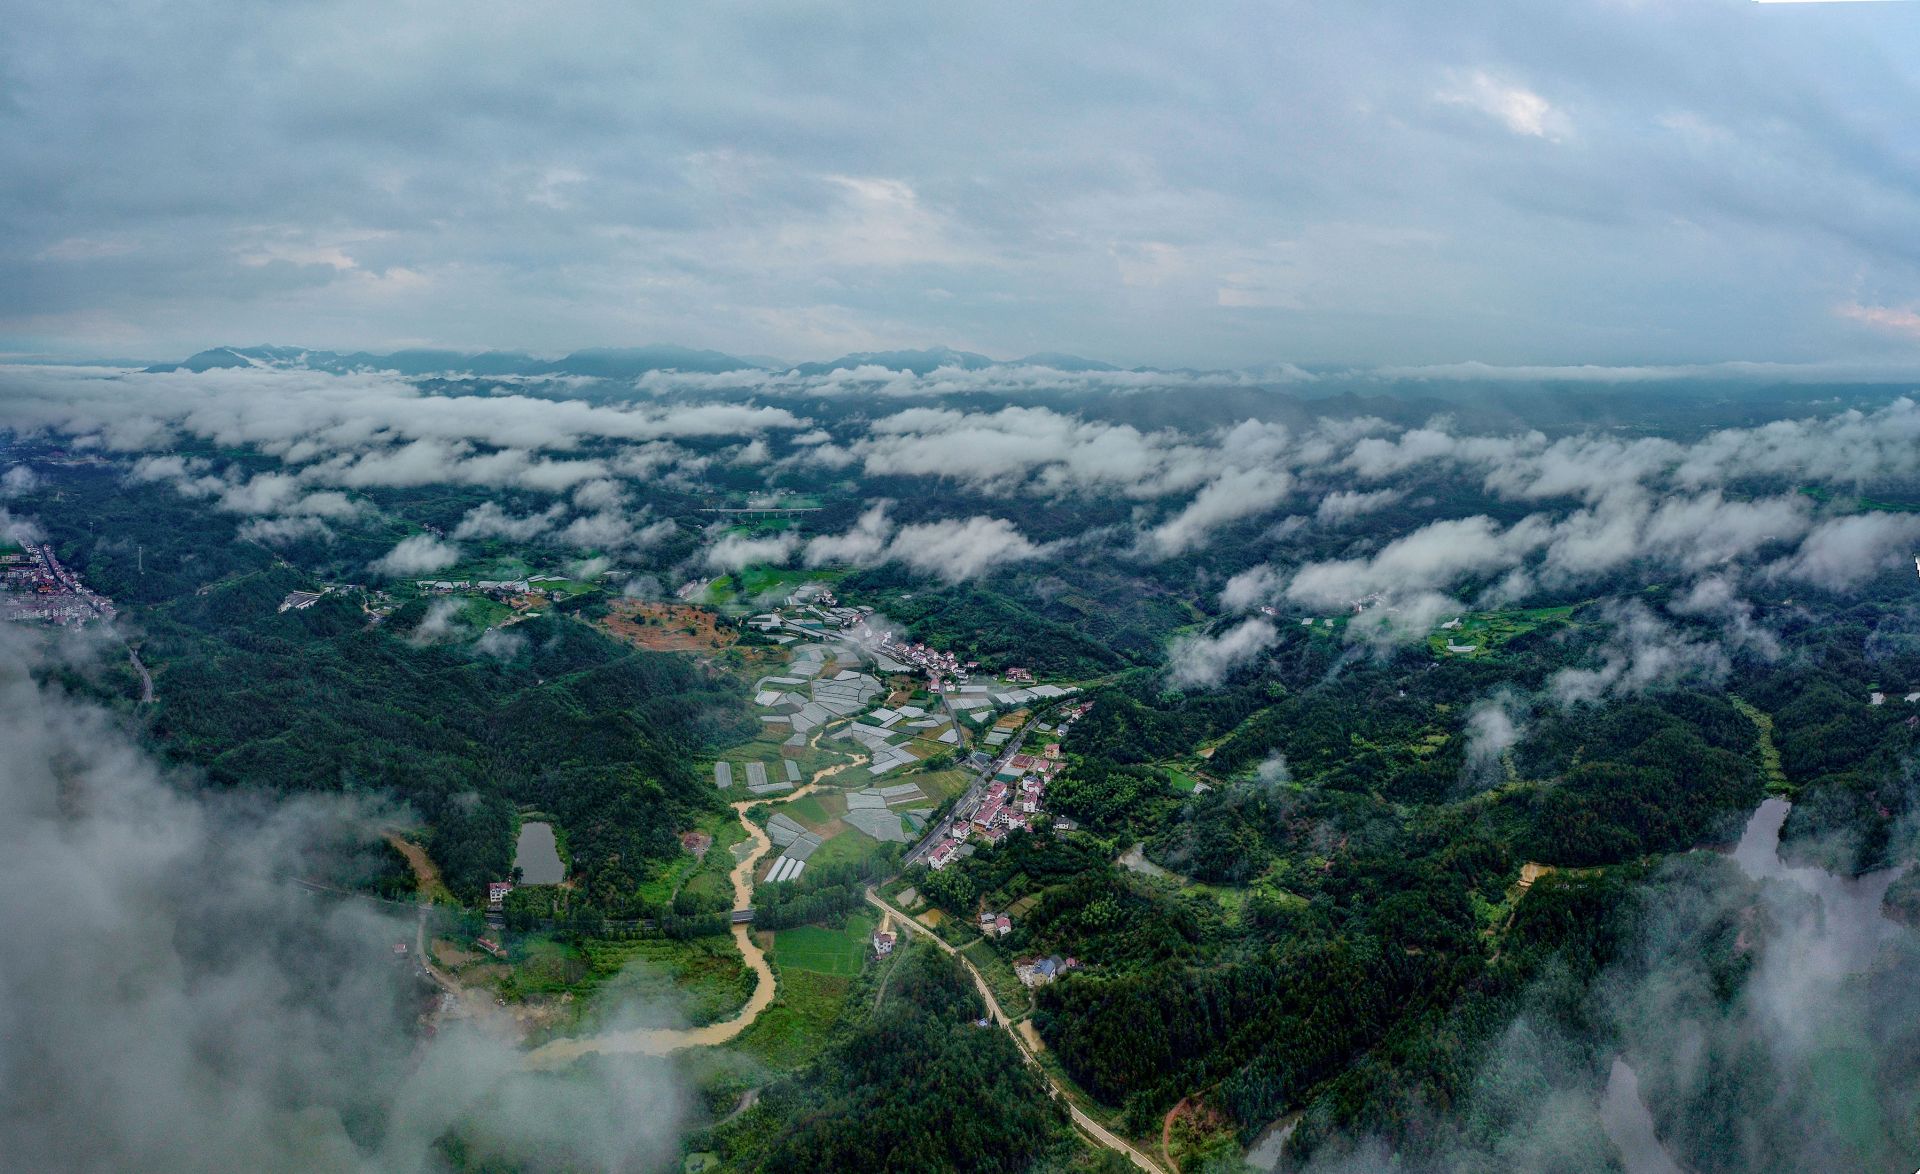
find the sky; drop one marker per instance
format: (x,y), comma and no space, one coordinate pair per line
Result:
(1378,182)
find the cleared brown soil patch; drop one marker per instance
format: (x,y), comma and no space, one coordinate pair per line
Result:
(426,875)
(665,627)
(1198,1119)
(451,956)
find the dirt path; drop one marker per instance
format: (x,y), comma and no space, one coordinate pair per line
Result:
(1029,1051)
(655,1041)
(426,874)
(1166,1136)
(748,1100)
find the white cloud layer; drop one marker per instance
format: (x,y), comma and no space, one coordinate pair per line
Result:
(1204,661)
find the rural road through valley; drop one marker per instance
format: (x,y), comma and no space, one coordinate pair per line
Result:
(1087,1125)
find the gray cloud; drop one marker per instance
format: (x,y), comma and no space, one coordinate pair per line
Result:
(863,545)
(1347,504)
(280,531)
(488,520)
(1228,498)
(735,552)
(322,171)
(615,532)
(440,624)
(18,479)
(1494,726)
(1841,552)
(962,548)
(500,644)
(364,429)
(954,549)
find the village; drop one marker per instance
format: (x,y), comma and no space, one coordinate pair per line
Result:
(1010,802)
(36,587)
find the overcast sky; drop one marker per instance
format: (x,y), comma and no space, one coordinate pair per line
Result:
(1367,182)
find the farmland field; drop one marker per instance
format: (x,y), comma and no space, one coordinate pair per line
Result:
(841,952)
(849,844)
(1488,630)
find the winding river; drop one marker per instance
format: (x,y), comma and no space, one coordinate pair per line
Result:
(657,1041)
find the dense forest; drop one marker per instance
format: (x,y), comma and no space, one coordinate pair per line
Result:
(909,1084)
(324,699)
(1346,940)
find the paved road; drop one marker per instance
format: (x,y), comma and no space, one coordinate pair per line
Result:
(146,678)
(1088,1125)
(940,831)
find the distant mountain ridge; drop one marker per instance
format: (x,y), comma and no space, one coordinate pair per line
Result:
(605,362)
(598,362)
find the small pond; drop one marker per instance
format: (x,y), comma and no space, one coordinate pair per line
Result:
(537,856)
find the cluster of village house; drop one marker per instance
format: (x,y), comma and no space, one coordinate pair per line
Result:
(810,611)
(813,611)
(1015,796)
(38,588)
(494,587)
(1031,971)
(915,654)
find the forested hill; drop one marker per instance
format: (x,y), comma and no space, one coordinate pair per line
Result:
(574,724)
(912,1084)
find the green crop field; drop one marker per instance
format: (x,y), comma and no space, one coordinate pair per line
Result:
(851,844)
(939,784)
(809,810)
(754,582)
(840,952)
(1486,631)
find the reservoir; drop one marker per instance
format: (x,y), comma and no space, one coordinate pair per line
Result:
(536,856)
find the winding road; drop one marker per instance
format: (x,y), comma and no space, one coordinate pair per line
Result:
(146,678)
(657,1041)
(1028,1047)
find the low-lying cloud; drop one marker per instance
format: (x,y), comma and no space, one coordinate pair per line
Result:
(416,554)
(1205,661)
(170,1001)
